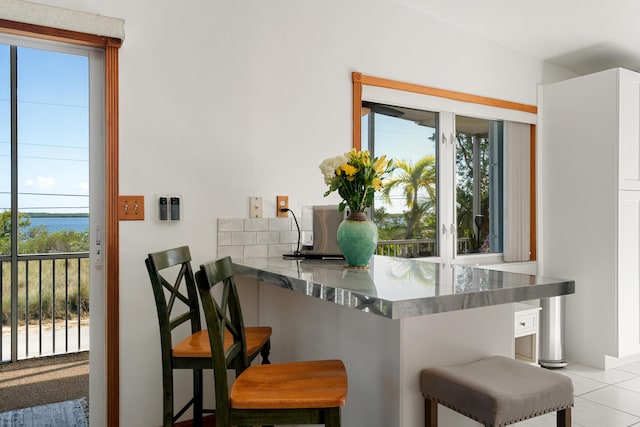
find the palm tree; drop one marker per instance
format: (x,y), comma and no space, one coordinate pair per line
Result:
(413,178)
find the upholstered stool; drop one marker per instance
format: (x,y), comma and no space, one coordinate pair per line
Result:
(497,391)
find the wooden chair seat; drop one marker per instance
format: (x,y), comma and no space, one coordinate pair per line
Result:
(295,393)
(313,384)
(197,345)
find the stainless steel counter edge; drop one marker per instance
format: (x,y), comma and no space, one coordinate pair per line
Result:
(435,287)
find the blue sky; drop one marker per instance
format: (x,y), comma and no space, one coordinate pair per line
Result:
(53,131)
(399,139)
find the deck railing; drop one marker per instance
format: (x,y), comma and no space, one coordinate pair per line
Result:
(44,325)
(414,248)
(48,313)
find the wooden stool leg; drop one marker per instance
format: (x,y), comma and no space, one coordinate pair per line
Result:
(266,350)
(430,413)
(563,417)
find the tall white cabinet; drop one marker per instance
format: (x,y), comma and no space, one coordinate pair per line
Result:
(589,201)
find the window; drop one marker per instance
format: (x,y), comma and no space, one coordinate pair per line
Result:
(52,100)
(406,210)
(454,156)
(478,154)
(51,152)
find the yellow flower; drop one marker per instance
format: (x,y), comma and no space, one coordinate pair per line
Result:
(365,158)
(380,165)
(349,170)
(377,184)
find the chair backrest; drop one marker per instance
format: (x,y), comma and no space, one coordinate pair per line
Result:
(222,314)
(168,270)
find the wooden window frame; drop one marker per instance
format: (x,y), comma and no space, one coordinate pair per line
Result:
(360,79)
(111,47)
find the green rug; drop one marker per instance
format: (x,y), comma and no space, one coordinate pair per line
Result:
(71,413)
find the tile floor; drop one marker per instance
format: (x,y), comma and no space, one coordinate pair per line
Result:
(608,398)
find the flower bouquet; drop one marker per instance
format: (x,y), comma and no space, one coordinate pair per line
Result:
(356,177)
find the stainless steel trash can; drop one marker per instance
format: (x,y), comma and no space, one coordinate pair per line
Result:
(552,333)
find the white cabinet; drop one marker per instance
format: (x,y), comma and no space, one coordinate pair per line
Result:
(628,273)
(629,130)
(526,321)
(589,201)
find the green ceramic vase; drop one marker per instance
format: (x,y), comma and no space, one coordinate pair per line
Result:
(357,239)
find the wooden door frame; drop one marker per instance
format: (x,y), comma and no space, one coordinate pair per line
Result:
(111,48)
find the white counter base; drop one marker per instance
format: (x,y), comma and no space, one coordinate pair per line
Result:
(383,357)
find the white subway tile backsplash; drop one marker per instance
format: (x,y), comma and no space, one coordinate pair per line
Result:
(232,251)
(244,238)
(257,251)
(224,238)
(278,250)
(289,236)
(268,237)
(230,224)
(256,237)
(279,224)
(256,224)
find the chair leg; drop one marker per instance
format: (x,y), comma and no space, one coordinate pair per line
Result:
(167,399)
(197,398)
(563,417)
(332,417)
(430,413)
(266,350)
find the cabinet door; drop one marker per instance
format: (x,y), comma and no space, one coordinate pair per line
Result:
(629,130)
(628,297)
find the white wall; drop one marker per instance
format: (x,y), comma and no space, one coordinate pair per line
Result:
(222,100)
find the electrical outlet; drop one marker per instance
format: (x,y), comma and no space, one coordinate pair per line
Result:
(282,202)
(255,207)
(131,208)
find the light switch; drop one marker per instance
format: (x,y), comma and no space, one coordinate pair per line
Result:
(131,208)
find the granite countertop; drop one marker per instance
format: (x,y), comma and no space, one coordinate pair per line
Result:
(397,288)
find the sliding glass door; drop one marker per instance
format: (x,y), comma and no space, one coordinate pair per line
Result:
(46,123)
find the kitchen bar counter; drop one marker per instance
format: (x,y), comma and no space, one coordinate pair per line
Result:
(398,288)
(387,323)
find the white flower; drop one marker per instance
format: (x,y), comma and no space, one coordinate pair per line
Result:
(328,167)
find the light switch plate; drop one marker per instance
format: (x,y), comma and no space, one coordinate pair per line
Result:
(131,208)
(255,207)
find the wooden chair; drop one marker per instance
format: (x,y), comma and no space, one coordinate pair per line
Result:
(287,393)
(168,270)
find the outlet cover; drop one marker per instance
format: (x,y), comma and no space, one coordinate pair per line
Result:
(255,207)
(281,203)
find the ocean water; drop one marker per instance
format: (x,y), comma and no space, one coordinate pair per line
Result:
(53,224)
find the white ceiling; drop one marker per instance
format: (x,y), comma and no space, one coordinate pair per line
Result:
(583,36)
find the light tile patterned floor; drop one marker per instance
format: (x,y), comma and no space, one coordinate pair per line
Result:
(608,398)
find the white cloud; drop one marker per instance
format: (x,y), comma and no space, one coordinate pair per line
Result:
(44,182)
